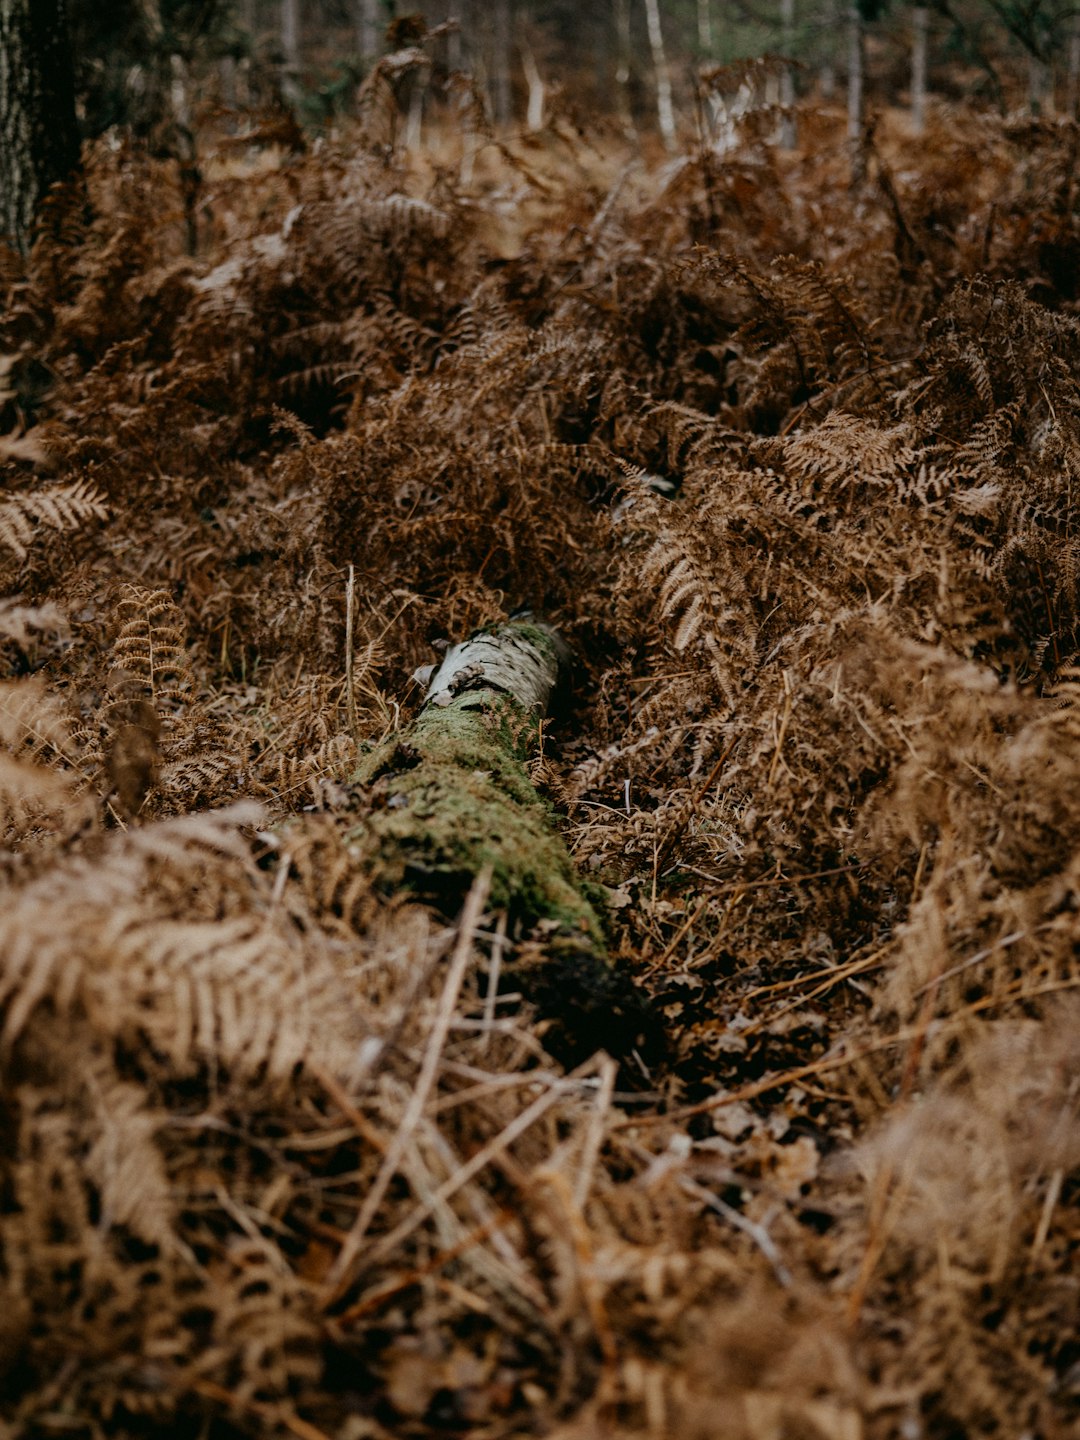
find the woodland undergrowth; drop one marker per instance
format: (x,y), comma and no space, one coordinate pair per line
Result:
(796,471)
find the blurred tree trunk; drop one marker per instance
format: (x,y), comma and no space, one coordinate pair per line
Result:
(856,105)
(367,28)
(502,63)
(534,118)
(827,69)
(1040,88)
(290,49)
(455,44)
(622,65)
(788,136)
(920,28)
(1072,87)
(39,141)
(665,111)
(704,27)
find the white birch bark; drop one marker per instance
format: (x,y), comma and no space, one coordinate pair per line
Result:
(665,110)
(517,660)
(534,118)
(920,29)
(414,120)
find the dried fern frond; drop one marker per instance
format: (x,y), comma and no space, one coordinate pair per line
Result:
(63,507)
(149,654)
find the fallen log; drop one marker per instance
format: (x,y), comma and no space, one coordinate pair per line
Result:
(450,797)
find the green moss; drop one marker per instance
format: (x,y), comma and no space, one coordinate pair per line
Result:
(452,796)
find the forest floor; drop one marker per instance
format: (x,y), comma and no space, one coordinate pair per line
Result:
(795,469)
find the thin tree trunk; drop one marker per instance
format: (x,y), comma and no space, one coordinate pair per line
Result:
(920,28)
(704,27)
(827,71)
(1072,90)
(414,121)
(455,43)
(665,112)
(501,86)
(856,123)
(622,65)
(1040,94)
(534,118)
(290,49)
(39,142)
(788,136)
(367,28)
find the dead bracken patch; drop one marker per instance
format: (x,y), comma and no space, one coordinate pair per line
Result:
(796,472)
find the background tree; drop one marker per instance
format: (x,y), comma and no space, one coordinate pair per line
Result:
(920,31)
(39,142)
(664,109)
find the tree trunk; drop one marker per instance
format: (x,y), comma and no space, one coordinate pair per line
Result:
(827,70)
(704,28)
(367,28)
(534,118)
(290,49)
(622,65)
(1040,91)
(665,112)
(788,136)
(1072,83)
(39,141)
(855,96)
(455,43)
(451,797)
(501,64)
(920,28)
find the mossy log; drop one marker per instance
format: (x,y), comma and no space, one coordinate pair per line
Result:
(451,797)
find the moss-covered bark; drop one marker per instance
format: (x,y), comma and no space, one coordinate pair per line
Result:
(451,796)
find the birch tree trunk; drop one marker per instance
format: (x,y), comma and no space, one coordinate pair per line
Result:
(665,112)
(451,797)
(39,141)
(920,28)
(856,116)
(534,118)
